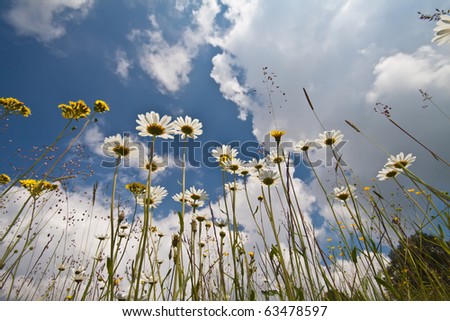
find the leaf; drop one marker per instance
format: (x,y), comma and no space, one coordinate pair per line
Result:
(270,292)
(354,257)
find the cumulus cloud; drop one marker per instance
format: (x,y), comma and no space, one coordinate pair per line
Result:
(123,64)
(170,63)
(45,20)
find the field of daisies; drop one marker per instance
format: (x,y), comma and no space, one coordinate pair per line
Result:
(373,252)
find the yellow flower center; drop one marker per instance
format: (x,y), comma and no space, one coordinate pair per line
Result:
(401,164)
(186,129)
(391,174)
(343,196)
(268,181)
(121,150)
(155,129)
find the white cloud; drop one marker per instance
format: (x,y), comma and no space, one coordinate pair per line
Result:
(45,20)
(348,55)
(402,73)
(229,85)
(170,63)
(123,64)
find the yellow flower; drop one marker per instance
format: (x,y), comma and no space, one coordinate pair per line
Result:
(330,257)
(277,134)
(100,106)
(14,106)
(418,193)
(136,188)
(366,188)
(411,190)
(341,254)
(75,110)
(251,254)
(361,238)
(329,239)
(4,179)
(36,188)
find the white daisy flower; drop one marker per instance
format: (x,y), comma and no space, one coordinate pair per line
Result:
(400,161)
(232,165)
(157,164)
(275,157)
(188,127)
(196,194)
(118,146)
(387,172)
(268,177)
(223,153)
(344,192)
(329,138)
(157,194)
(256,164)
(151,124)
(102,237)
(442,30)
(304,145)
(232,187)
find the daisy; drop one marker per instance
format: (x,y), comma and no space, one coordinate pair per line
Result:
(155,198)
(118,146)
(244,170)
(232,165)
(151,124)
(344,192)
(387,172)
(304,145)
(276,157)
(187,127)
(196,194)
(178,197)
(442,30)
(220,222)
(148,278)
(233,187)
(158,164)
(256,164)
(268,177)
(224,152)
(102,237)
(329,138)
(400,161)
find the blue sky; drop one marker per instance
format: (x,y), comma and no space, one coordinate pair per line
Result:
(205,59)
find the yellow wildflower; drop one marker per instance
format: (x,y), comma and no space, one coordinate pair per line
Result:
(277,134)
(411,190)
(251,254)
(36,188)
(361,238)
(329,239)
(14,106)
(366,188)
(100,106)
(418,193)
(4,179)
(136,188)
(75,110)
